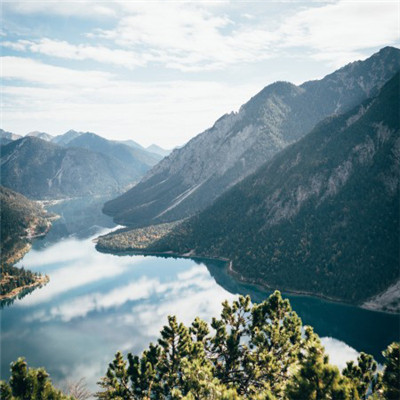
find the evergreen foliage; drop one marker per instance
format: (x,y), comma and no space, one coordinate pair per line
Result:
(391,374)
(20,220)
(251,352)
(19,216)
(13,277)
(29,384)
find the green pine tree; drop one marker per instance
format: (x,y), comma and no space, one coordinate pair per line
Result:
(317,379)
(391,373)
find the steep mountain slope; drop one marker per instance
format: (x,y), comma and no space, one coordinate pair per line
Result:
(41,135)
(141,158)
(321,217)
(42,170)
(20,219)
(192,177)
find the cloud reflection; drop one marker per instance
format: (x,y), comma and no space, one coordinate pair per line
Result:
(193,292)
(125,313)
(71,265)
(339,352)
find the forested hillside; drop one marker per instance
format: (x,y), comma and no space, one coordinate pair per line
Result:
(20,220)
(322,217)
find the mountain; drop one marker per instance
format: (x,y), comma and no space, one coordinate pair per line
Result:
(66,137)
(131,143)
(7,137)
(192,177)
(158,150)
(321,217)
(41,135)
(141,158)
(44,170)
(20,219)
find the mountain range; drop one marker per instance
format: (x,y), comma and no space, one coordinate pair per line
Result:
(192,177)
(8,137)
(43,170)
(156,152)
(321,217)
(128,155)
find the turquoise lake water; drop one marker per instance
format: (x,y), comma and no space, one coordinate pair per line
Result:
(96,304)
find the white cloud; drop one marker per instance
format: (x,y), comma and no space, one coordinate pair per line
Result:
(340,32)
(193,36)
(77,8)
(187,36)
(37,72)
(190,37)
(54,99)
(63,49)
(164,39)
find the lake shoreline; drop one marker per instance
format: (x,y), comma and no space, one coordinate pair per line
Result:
(240,278)
(39,281)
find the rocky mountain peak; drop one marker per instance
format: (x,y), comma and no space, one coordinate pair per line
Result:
(192,177)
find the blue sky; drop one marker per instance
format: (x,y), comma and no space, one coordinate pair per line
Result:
(162,72)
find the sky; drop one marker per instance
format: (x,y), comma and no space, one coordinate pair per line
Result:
(164,71)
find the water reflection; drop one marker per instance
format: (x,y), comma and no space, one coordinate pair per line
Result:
(80,217)
(96,304)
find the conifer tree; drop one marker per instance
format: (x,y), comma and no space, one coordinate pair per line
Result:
(254,352)
(391,373)
(316,378)
(29,384)
(276,336)
(363,375)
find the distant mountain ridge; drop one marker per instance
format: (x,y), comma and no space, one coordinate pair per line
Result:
(192,177)
(149,155)
(158,150)
(41,135)
(127,154)
(322,217)
(66,137)
(7,137)
(43,170)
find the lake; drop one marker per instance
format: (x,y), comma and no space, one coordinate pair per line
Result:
(96,303)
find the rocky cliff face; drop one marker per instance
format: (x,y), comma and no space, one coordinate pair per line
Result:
(192,177)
